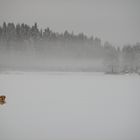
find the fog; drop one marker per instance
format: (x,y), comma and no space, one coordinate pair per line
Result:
(69,69)
(69,106)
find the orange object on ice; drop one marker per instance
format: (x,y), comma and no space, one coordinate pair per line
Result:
(2,99)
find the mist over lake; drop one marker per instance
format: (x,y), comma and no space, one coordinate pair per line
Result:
(69,70)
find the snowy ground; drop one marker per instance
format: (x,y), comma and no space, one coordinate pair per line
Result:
(70,106)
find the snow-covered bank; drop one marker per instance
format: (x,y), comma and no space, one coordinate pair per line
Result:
(70,106)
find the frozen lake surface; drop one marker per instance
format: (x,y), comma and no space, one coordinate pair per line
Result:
(70,106)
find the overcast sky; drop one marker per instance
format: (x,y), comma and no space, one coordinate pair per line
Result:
(116,21)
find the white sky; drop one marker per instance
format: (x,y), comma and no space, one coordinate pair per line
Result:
(116,21)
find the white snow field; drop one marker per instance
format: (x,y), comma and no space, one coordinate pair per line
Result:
(70,106)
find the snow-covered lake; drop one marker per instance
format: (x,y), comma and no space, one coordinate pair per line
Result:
(70,106)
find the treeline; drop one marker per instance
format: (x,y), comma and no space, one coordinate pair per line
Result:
(125,60)
(22,32)
(30,46)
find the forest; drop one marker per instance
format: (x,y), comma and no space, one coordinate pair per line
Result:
(24,47)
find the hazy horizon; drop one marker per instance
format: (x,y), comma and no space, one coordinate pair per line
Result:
(115,21)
